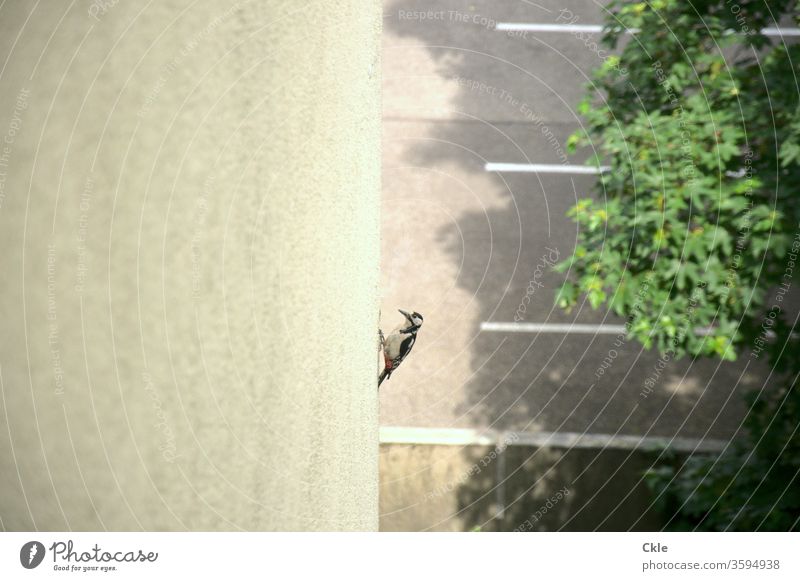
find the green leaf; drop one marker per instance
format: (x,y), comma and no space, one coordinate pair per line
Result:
(596,298)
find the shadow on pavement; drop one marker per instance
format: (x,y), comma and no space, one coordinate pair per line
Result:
(491,97)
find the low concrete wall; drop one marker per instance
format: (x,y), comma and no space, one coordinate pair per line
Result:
(523,488)
(190,230)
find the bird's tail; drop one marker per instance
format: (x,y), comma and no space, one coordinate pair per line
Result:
(382,376)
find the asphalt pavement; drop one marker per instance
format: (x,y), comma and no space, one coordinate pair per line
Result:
(465,246)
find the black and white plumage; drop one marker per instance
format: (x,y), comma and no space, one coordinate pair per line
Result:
(397,345)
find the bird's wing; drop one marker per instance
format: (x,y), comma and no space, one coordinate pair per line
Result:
(405,347)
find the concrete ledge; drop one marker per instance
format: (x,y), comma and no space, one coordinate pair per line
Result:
(470,437)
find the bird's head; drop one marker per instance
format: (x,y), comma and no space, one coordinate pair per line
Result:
(414,319)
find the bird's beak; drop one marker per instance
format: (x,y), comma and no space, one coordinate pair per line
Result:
(405,314)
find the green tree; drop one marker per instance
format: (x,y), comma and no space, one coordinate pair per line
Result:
(696,225)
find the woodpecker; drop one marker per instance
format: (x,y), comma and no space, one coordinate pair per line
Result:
(398,344)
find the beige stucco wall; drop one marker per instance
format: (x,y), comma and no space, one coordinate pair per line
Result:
(189,222)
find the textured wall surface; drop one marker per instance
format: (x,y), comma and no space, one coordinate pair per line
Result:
(189,219)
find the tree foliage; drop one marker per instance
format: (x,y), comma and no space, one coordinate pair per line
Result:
(696,225)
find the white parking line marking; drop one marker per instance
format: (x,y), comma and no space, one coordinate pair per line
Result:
(781,31)
(546,168)
(598,28)
(538,27)
(501,439)
(566,328)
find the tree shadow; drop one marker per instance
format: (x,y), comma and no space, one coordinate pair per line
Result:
(462,94)
(548,489)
